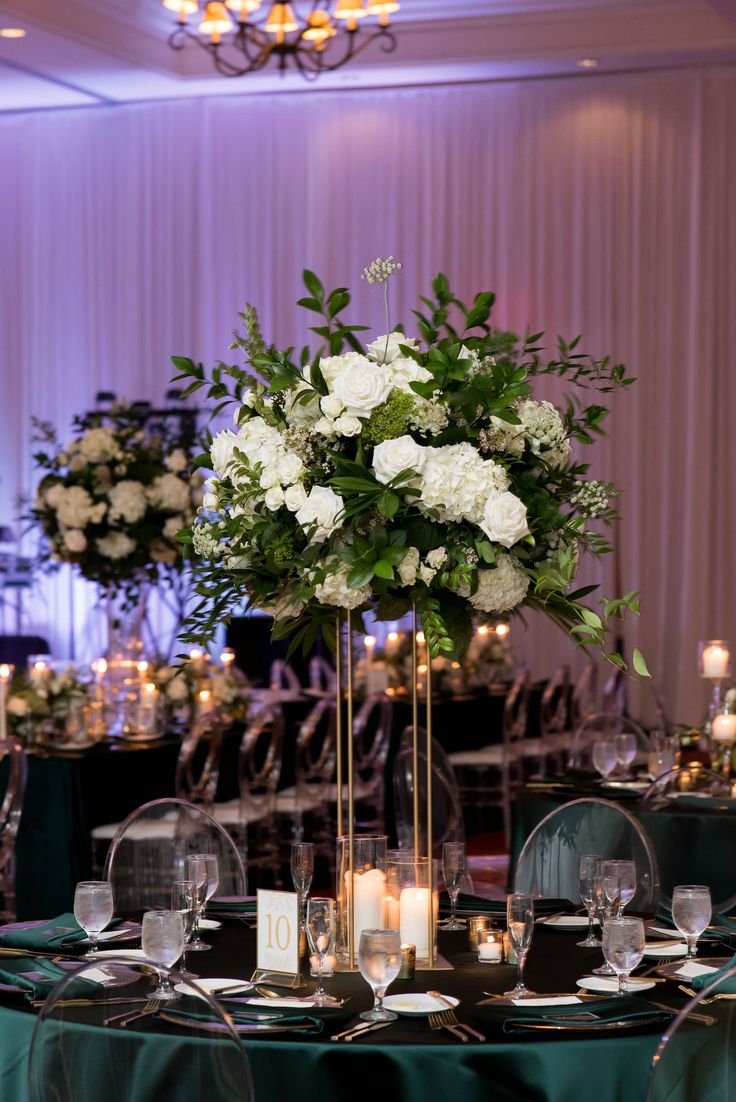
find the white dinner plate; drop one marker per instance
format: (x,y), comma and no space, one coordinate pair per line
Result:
(209,924)
(608,985)
(566,922)
(666,931)
(689,969)
(675,949)
(215,986)
(137,954)
(417,1005)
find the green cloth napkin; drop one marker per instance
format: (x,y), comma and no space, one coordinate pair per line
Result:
(317,1018)
(56,934)
(44,975)
(725,987)
(474,905)
(516,1019)
(232,906)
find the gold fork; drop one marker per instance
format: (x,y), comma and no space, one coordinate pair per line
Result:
(704,1002)
(435,1023)
(130,1015)
(449,1017)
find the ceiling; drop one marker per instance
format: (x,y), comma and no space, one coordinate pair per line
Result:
(85,52)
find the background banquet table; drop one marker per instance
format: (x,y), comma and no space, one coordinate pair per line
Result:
(407,1062)
(693,844)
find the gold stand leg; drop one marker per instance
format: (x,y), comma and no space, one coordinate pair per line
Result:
(431,940)
(338,719)
(351,794)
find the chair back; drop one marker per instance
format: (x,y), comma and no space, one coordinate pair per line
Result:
(603,725)
(516,713)
(283,681)
(316,752)
(548,863)
(371,738)
(150,848)
(447,813)
(613,698)
(693,1062)
(79,1053)
(260,760)
(322,676)
(583,698)
(686,786)
(10,815)
(555,703)
(198,763)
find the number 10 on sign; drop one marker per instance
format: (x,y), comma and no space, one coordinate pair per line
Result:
(278,931)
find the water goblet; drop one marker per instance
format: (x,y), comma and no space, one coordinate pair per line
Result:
(691,912)
(196,871)
(453,871)
(379,961)
(93,909)
(590,888)
(604,756)
(608,892)
(623,947)
(302,871)
(162,938)
(520,925)
(625,754)
(184,900)
(321,938)
(625,873)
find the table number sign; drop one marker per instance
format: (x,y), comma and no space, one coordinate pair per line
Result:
(278,932)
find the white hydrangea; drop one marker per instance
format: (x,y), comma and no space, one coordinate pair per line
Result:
(502,587)
(172,526)
(54,494)
(408,567)
(428,417)
(169,493)
(115,545)
(177,461)
(99,444)
(75,541)
(285,607)
(335,591)
(545,431)
(456,482)
(128,501)
(206,542)
(75,507)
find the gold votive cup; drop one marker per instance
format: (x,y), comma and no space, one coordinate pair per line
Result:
(479,926)
(408,962)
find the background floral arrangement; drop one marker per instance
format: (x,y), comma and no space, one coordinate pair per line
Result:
(113,499)
(43,702)
(400,474)
(179,686)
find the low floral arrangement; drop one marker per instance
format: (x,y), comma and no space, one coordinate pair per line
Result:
(45,701)
(113,498)
(180,685)
(414,472)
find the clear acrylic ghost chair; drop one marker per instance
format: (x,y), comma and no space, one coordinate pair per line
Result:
(548,863)
(554,711)
(198,762)
(371,741)
(283,682)
(696,1061)
(188,1051)
(488,777)
(10,816)
(583,697)
(316,751)
(447,813)
(603,725)
(686,784)
(614,695)
(322,677)
(149,851)
(250,818)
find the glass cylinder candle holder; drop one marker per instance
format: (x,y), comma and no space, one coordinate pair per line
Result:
(478,927)
(408,885)
(361,903)
(714,665)
(490,947)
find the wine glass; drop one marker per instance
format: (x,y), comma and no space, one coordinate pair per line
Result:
(608,891)
(625,873)
(453,871)
(184,900)
(623,947)
(321,937)
(604,756)
(213,874)
(590,886)
(196,871)
(302,870)
(691,912)
(520,925)
(379,961)
(662,754)
(162,938)
(625,753)
(93,909)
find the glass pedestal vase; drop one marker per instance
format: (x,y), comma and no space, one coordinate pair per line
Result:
(361,892)
(127,669)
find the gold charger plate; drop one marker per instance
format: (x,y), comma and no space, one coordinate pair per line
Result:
(670,971)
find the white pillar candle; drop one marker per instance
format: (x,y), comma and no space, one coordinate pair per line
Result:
(715,661)
(327,968)
(414,918)
(724,728)
(369,903)
(393,913)
(5,675)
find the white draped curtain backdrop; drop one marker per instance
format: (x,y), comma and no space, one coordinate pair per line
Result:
(604,205)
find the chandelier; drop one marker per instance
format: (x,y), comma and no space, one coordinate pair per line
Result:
(323,40)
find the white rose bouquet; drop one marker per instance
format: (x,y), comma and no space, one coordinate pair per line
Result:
(410,472)
(39,702)
(112,500)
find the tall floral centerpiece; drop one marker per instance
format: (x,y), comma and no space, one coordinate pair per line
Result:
(415,473)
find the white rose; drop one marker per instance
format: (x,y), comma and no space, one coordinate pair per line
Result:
(347,425)
(54,494)
(407,568)
(269,477)
(331,406)
(391,457)
(75,541)
(274,498)
(426,573)
(325,427)
(18,706)
(177,461)
(361,385)
(221,451)
(294,497)
(437,557)
(290,468)
(169,492)
(322,507)
(385,349)
(504,518)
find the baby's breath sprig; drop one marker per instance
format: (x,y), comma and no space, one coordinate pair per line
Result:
(380,271)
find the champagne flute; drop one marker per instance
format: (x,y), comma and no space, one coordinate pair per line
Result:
(321,937)
(162,938)
(625,754)
(590,886)
(520,924)
(302,870)
(604,756)
(453,871)
(196,871)
(184,900)
(93,909)
(623,947)
(379,961)
(691,912)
